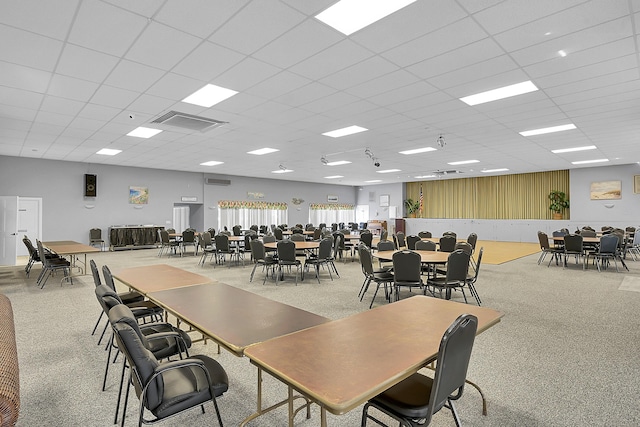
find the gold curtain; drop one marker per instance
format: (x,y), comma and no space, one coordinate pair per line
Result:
(520,196)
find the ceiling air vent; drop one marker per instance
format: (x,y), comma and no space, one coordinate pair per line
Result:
(188,121)
(443,173)
(214,181)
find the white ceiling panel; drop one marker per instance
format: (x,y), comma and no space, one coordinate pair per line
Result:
(70,83)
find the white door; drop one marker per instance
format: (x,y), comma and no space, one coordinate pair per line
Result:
(8,229)
(29,221)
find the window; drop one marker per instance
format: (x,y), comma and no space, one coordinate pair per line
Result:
(329,213)
(247,213)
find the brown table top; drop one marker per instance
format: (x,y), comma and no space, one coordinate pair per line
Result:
(305,232)
(432,257)
(158,277)
(299,245)
(584,239)
(233,317)
(69,247)
(343,363)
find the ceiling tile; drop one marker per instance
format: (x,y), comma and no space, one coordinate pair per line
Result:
(113,97)
(133,76)
(246,74)
(85,64)
(36,16)
(199,17)
(207,61)
(335,58)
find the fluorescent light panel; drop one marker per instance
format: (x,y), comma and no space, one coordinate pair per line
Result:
(374,180)
(495,170)
(333,177)
(418,150)
(345,131)
(463,162)
(211,163)
(209,96)
(500,93)
(282,171)
(548,130)
(424,176)
(338,163)
(349,16)
(389,171)
(143,132)
(262,151)
(109,152)
(570,150)
(584,162)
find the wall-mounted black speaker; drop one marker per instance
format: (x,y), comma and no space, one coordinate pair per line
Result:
(90,185)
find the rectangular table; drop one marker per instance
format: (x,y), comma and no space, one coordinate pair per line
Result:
(342,364)
(158,277)
(71,249)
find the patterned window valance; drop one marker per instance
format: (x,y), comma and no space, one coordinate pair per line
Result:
(247,204)
(331,207)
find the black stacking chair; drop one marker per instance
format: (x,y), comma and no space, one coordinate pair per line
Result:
(366,238)
(411,241)
(471,280)
(414,400)
(287,258)
(456,274)
(546,249)
(169,388)
(407,268)
(425,245)
(573,246)
(51,265)
(259,256)
(424,234)
(206,244)
(447,243)
(278,233)
(223,248)
(33,255)
(188,239)
(323,258)
(95,238)
(380,277)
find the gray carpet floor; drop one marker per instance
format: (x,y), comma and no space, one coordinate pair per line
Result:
(567,352)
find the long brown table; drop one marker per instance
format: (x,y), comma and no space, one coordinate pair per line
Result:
(71,249)
(426,257)
(343,363)
(158,277)
(299,245)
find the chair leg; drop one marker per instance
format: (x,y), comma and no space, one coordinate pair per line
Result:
(97,322)
(106,368)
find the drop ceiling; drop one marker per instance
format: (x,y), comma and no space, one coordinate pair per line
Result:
(77,76)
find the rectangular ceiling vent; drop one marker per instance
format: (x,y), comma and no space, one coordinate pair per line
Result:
(215,181)
(442,173)
(188,121)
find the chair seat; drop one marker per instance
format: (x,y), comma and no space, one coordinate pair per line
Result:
(166,346)
(131,297)
(410,398)
(188,387)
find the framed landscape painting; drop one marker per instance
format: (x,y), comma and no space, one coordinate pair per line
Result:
(606,190)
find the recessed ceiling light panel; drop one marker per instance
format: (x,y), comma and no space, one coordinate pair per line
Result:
(389,171)
(109,152)
(211,163)
(350,130)
(209,96)
(584,162)
(338,163)
(418,150)
(500,93)
(349,16)
(551,129)
(494,170)
(463,162)
(374,180)
(333,177)
(282,171)
(143,132)
(262,151)
(570,150)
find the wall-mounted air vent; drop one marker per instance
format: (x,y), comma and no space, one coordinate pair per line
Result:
(188,121)
(214,181)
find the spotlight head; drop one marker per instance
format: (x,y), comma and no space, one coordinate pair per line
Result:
(376,164)
(323,160)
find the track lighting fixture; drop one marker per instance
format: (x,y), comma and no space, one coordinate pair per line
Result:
(441,142)
(323,160)
(373,158)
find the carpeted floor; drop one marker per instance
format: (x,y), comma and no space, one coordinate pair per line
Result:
(565,353)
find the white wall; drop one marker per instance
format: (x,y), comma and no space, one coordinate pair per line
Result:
(370,195)
(68,215)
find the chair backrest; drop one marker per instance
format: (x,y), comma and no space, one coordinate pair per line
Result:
(465,247)
(222,242)
(263,229)
(338,238)
(401,240)
(324,251)
(33,252)
(425,245)
(95,273)
(108,277)
(107,297)
(407,267)
(95,234)
(587,233)
(317,234)
(472,239)
(297,237)
(269,238)
(212,231)
(475,277)
(450,233)
(278,233)
(386,245)
(254,227)
(384,234)
(423,234)
(297,230)
(608,244)
(453,362)
(366,238)
(334,227)
(366,262)
(170,230)
(309,227)
(458,266)
(42,254)
(188,236)
(411,241)
(543,239)
(237,230)
(257,250)
(164,236)
(448,243)
(559,233)
(286,250)
(573,243)
(143,363)
(205,239)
